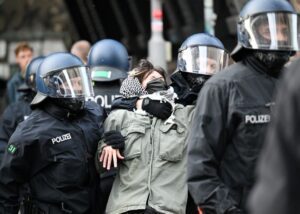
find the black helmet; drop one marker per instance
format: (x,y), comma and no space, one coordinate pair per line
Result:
(64,77)
(108,60)
(267,25)
(202,54)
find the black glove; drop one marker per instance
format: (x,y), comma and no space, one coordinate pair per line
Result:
(114,139)
(162,110)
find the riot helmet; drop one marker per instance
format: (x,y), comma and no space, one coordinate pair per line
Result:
(267,26)
(65,79)
(199,57)
(202,54)
(31,69)
(108,60)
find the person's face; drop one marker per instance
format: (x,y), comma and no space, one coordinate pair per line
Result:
(281,32)
(76,86)
(23,58)
(152,76)
(209,65)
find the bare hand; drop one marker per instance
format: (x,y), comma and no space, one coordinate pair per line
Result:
(108,155)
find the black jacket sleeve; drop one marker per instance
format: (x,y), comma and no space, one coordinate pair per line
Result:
(124,103)
(14,171)
(277,187)
(8,125)
(206,145)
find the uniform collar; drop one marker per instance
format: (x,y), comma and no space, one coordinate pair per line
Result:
(59,112)
(258,66)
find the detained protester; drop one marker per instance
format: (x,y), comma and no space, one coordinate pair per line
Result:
(19,111)
(147,151)
(233,108)
(109,64)
(53,149)
(277,187)
(199,57)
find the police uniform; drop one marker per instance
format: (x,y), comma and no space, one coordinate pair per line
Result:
(186,96)
(54,152)
(109,63)
(12,116)
(106,92)
(276,189)
(231,116)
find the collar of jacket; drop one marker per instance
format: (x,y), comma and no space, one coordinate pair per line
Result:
(256,65)
(186,95)
(59,112)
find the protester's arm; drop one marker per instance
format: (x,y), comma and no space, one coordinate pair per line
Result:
(111,144)
(156,108)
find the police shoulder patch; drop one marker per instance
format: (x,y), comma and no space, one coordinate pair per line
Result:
(12,149)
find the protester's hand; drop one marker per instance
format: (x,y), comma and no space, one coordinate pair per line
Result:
(161,110)
(108,155)
(114,139)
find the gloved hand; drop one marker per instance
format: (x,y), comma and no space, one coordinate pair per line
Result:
(114,139)
(161,110)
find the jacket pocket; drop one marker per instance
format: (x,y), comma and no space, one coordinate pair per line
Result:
(65,159)
(172,142)
(133,143)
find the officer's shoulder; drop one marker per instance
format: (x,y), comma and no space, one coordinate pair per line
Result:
(93,107)
(230,74)
(291,75)
(29,128)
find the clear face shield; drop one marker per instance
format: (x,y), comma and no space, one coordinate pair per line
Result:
(273,31)
(70,83)
(202,60)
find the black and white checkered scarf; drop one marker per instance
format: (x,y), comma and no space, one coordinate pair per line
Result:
(131,87)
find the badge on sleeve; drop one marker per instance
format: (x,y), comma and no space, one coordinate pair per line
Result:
(12,149)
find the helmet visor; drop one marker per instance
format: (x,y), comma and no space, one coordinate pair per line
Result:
(273,31)
(202,60)
(70,83)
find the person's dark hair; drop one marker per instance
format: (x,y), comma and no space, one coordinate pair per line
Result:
(145,68)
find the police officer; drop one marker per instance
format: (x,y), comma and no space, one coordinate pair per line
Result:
(109,63)
(233,108)
(53,149)
(200,56)
(19,111)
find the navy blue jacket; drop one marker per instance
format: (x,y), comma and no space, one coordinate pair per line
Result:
(230,121)
(54,152)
